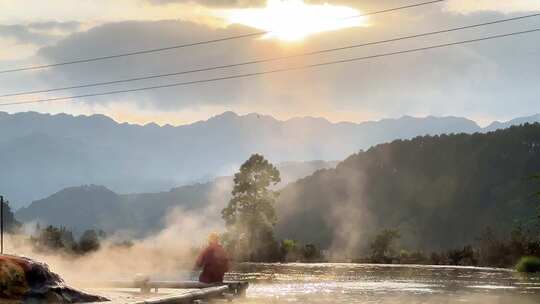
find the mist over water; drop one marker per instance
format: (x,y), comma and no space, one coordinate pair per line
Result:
(169,255)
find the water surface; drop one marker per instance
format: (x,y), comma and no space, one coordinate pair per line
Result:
(362,283)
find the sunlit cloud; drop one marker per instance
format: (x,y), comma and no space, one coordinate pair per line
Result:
(58,19)
(294,20)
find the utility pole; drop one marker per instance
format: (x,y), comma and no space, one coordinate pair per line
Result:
(1,225)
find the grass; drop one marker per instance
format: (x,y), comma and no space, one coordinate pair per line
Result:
(528,264)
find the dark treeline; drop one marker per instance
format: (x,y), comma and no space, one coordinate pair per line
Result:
(488,250)
(61,240)
(52,239)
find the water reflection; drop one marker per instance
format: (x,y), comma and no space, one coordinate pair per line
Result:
(360,283)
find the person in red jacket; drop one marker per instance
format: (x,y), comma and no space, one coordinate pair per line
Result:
(213,261)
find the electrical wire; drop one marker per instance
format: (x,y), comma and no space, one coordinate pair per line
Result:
(268,59)
(185,45)
(272,71)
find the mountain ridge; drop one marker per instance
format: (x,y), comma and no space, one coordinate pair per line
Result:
(131,158)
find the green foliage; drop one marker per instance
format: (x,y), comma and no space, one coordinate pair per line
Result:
(537,178)
(383,246)
(312,253)
(493,251)
(89,241)
(528,264)
(250,215)
(292,251)
(50,238)
(490,250)
(462,257)
(289,246)
(497,252)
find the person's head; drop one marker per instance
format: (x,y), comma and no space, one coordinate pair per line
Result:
(213,238)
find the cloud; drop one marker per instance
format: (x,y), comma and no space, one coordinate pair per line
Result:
(470,80)
(95,12)
(454,6)
(66,27)
(215,3)
(24,34)
(23,40)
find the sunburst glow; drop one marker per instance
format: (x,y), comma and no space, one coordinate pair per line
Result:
(294,20)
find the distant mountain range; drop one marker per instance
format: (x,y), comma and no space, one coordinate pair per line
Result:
(496,125)
(41,153)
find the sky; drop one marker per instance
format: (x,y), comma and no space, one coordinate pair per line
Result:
(484,81)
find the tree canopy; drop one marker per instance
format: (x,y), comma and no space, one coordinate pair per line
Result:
(250,216)
(383,246)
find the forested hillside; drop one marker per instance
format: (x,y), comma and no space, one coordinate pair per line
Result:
(438,191)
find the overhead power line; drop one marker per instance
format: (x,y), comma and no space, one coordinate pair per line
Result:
(271,71)
(185,45)
(95,84)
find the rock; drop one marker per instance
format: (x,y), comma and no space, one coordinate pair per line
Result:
(28,281)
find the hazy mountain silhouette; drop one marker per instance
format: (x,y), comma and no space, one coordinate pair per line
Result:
(44,153)
(90,206)
(496,125)
(82,207)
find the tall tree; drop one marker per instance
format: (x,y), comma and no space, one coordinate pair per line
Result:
(250,216)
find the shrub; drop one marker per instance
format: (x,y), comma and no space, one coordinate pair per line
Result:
(528,264)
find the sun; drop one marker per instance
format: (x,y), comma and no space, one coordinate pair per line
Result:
(293,20)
